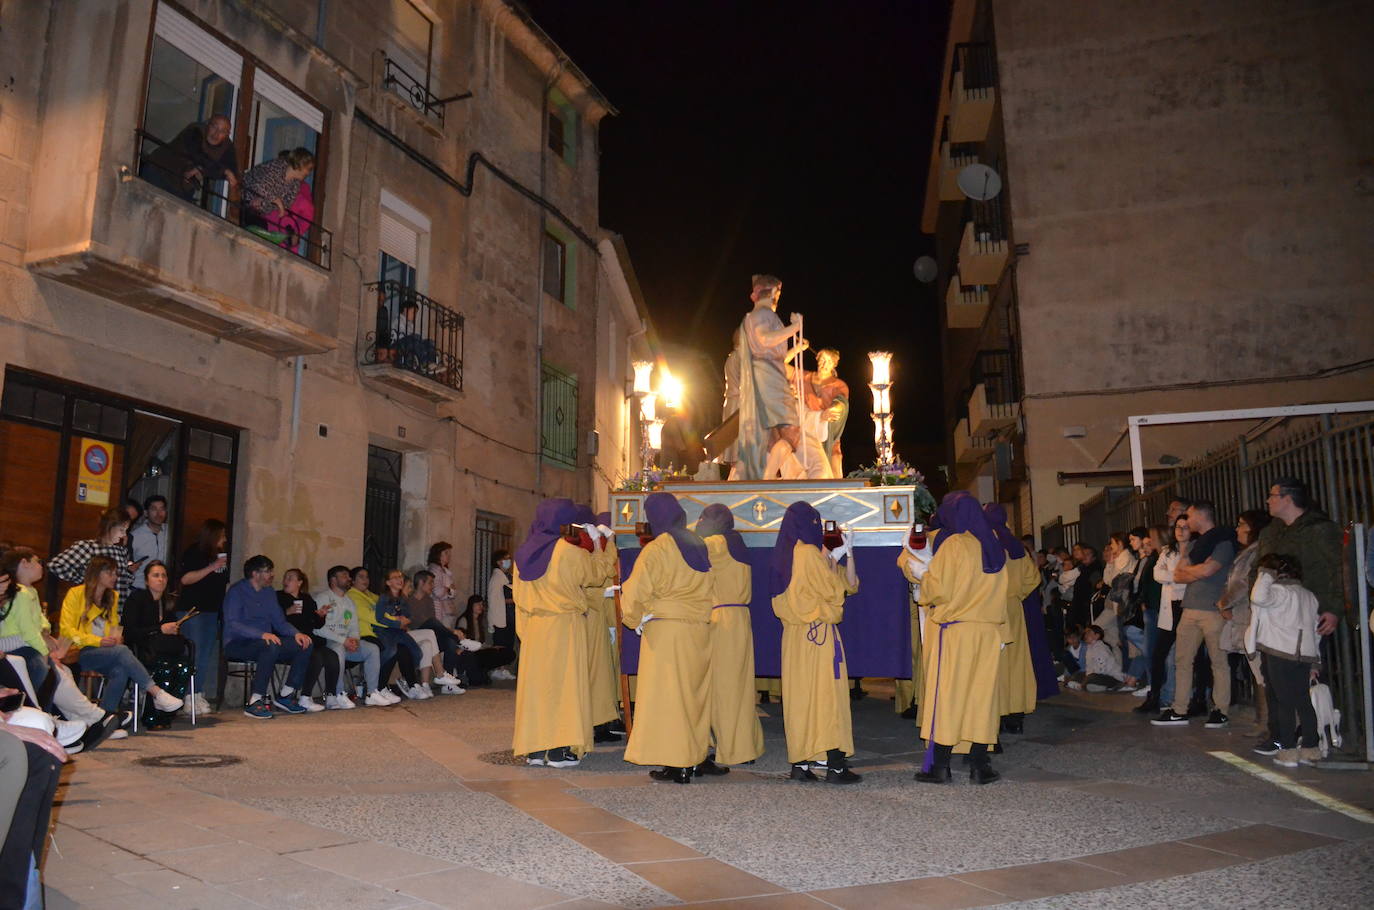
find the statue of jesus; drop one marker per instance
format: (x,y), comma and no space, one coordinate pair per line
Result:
(769,432)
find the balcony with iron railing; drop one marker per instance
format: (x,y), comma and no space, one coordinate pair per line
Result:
(966,305)
(416,344)
(972,93)
(986,242)
(994,404)
(397,79)
(970,449)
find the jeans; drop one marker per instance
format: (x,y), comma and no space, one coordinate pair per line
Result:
(397,648)
(203,630)
(1195,628)
(119,667)
(1289,701)
(267,656)
(36,663)
(1151,636)
(368,654)
(1136,666)
(448,643)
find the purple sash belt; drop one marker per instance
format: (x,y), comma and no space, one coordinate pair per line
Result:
(929,761)
(817,635)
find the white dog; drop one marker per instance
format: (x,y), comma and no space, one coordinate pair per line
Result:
(1328,718)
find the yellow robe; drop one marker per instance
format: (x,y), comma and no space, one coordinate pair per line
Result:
(734,720)
(815,691)
(552,705)
(1016,688)
(602,675)
(962,658)
(909,691)
(672,726)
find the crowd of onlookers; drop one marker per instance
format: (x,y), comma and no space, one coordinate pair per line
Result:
(142,636)
(1179,612)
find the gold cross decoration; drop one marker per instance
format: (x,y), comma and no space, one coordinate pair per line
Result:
(759,509)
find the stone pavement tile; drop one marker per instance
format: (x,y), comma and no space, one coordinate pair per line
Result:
(106,895)
(286,835)
(312,888)
(76,855)
(1163,860)
(1030,775)
(597,781)
(1042,879)
(635,846)
(914,894)
(1261,841)
(702,879)
(225,863)
(542,798)
(768,902)
(219,813)
(1136,793)
(82,812)
(370,861)
(157,836)
(463,887)
(1331,824)
(173,891)
(537,784)
(582,820)
(580,903)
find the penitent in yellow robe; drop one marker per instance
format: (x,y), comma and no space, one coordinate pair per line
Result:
(672,725)
(552,707)
(909,690)
(815,677)
(1016,688)
(961,658)
(734,719)
(602,675)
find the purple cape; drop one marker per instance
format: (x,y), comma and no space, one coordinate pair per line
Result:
(532,557)
(801,522)
(996,514)
(959,512)
(584,516)
(666,517)
(718,519)
(603,518)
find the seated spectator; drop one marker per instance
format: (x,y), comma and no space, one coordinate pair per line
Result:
(393,626)
(271,187)
(301,611)
(70,565)
(21,615)
(197,154)
(439,556)
(1101,665)
(153,633)
(422,617)
(90,619)
(342,634)
(487,661)
(30,763)
(1072,656)
(392,650)
(1283,632)
(255,630)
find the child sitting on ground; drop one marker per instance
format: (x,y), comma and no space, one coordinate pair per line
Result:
(1101,665)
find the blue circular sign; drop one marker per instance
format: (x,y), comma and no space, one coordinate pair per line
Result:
(97,459)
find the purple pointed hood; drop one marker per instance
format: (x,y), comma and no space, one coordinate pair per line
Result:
(996,514)
(959,512)
(801,522)
(532,557)
(666,517)
(718,519)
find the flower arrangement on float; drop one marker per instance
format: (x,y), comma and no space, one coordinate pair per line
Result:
(898,474)
(648,480)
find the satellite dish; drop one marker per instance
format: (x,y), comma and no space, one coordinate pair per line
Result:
(925,270)
(978,181)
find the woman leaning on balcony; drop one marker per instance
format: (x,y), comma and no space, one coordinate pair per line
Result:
(270,188)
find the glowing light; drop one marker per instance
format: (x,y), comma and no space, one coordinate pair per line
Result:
(643,373)
(882,400)
(655,428)
(670,389)
(882,361)
(648,407)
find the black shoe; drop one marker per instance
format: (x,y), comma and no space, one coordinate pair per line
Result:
(1197,709)
(995,748)
(764,698)
(562,757)
(1170,719)
(709,768)
(983,774)
(1148,706)
(675,775)
(1266,746)
(841,776)
(616,728)
(802,771)
(911,713)
(602,735)
(857,693)
(1217,721)
(99,731)
(936,775)
(1013,724)
(399,691)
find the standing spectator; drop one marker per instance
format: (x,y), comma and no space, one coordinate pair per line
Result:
(134,510)
(204,571)
(148,539)
(110,542)
(1303,531)
(1118,575)
(90,619)
(256,631)
(343,634)
(1148,594)
(197,154)
(445,610)
(1089,579)
(1285,613)
(1162,680)
(301,611)
(1204,571)
(1234,604)
(1131,606)
(152,633)
(502,606)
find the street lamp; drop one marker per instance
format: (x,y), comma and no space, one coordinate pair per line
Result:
(881,387)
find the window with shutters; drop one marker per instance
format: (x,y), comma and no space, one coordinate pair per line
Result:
(559,266)
(562,126)
(558,417)
(195,76)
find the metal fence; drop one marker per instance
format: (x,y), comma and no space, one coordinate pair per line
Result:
(396,78)
(978,63)
(415,333)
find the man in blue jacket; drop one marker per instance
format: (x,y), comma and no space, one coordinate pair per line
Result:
(256,630)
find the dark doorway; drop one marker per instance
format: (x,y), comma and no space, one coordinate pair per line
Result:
(381,513)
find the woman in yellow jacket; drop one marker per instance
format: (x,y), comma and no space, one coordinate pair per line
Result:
(90,618)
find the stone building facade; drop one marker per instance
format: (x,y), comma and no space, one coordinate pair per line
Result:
(445,341)
(1184,226)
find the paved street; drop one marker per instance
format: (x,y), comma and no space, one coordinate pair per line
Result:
(418,806)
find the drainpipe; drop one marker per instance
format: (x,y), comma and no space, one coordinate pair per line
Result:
(539,289)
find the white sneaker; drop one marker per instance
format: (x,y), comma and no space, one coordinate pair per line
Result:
(68,732)
(446,679)
(420,692)
(121,733)
(1141,692)
(378,700)
(391,697)
(502,674)
(453,690)
(166,701)
(309,704)
(1074,684)
(339,703)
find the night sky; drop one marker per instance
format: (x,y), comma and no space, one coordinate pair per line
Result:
(782,137)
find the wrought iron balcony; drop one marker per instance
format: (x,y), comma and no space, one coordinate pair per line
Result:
(985,245)
(416,343)
(396,78)
(973,92)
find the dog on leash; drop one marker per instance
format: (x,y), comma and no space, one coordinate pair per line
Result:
(1328,718)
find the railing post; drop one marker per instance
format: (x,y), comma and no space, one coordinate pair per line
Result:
(1333,498)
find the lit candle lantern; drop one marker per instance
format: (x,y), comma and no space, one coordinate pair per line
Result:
(643,374)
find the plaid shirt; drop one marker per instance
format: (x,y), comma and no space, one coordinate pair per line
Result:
(70,564)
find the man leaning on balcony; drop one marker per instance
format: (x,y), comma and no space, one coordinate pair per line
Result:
(199,153)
